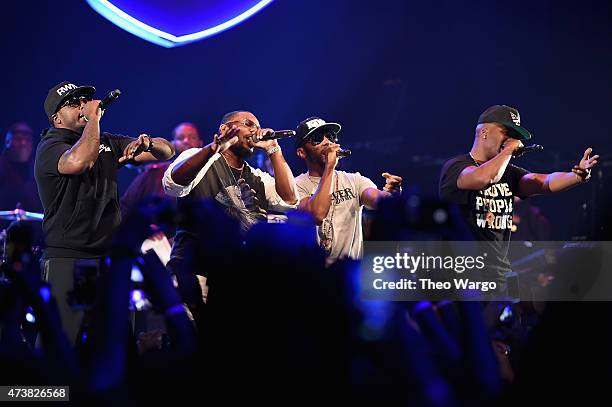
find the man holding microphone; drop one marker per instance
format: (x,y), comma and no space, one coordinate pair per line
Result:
(335,198)
(483,183)
(76,174)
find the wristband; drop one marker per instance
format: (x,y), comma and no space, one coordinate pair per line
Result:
(587,177)
(148,150)
(272,150)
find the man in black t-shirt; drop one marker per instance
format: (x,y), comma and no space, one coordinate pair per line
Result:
(483,182)
(76,173)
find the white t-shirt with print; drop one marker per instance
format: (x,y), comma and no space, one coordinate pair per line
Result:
(346,208)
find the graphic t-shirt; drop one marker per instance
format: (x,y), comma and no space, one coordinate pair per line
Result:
(487,212)
(216,180)
(344,213)
(81,211)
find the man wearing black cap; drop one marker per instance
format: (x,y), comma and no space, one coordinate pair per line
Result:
(335,198)
(76,173)
(483,182)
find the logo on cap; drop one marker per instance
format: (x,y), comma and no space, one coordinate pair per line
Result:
(61,90)
(516,118)
(311,124)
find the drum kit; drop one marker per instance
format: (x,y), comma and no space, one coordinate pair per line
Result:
(17,215)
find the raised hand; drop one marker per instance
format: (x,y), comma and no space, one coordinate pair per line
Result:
(330,154)
(393,183)
(91,110)
(135,148)
(264,145)
(583,169)
(511,145)
(221,142)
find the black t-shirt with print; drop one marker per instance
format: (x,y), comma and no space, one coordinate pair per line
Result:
(81,211)
(488,212)
(214,185)
(217,184)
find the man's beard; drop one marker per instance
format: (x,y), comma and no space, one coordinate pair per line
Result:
(241,151)
(79,126)
(316,159)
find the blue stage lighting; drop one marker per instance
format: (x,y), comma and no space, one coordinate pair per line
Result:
(152,24)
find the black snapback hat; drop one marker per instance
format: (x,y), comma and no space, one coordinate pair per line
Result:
(308,126)
(508,117)
(61,92)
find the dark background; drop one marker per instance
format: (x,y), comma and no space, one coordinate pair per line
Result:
(406,79)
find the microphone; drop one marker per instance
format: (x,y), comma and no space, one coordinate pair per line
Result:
(273,135)
(527,149)
(343,153)
(110,98)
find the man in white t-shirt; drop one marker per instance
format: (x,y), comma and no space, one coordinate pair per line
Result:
(335,198)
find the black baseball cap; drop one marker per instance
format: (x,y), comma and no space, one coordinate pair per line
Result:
(508,117)
(308,126)
(63,91)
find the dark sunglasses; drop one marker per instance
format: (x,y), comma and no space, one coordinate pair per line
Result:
(317,137)
(74,101)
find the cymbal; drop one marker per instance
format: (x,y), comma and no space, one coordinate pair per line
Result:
(20,214)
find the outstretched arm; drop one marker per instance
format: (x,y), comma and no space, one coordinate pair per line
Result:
(536,184)
(371,196)
(145,148)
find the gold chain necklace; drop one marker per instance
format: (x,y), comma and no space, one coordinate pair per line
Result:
(237,190)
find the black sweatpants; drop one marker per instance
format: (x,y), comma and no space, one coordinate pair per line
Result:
(60,274)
